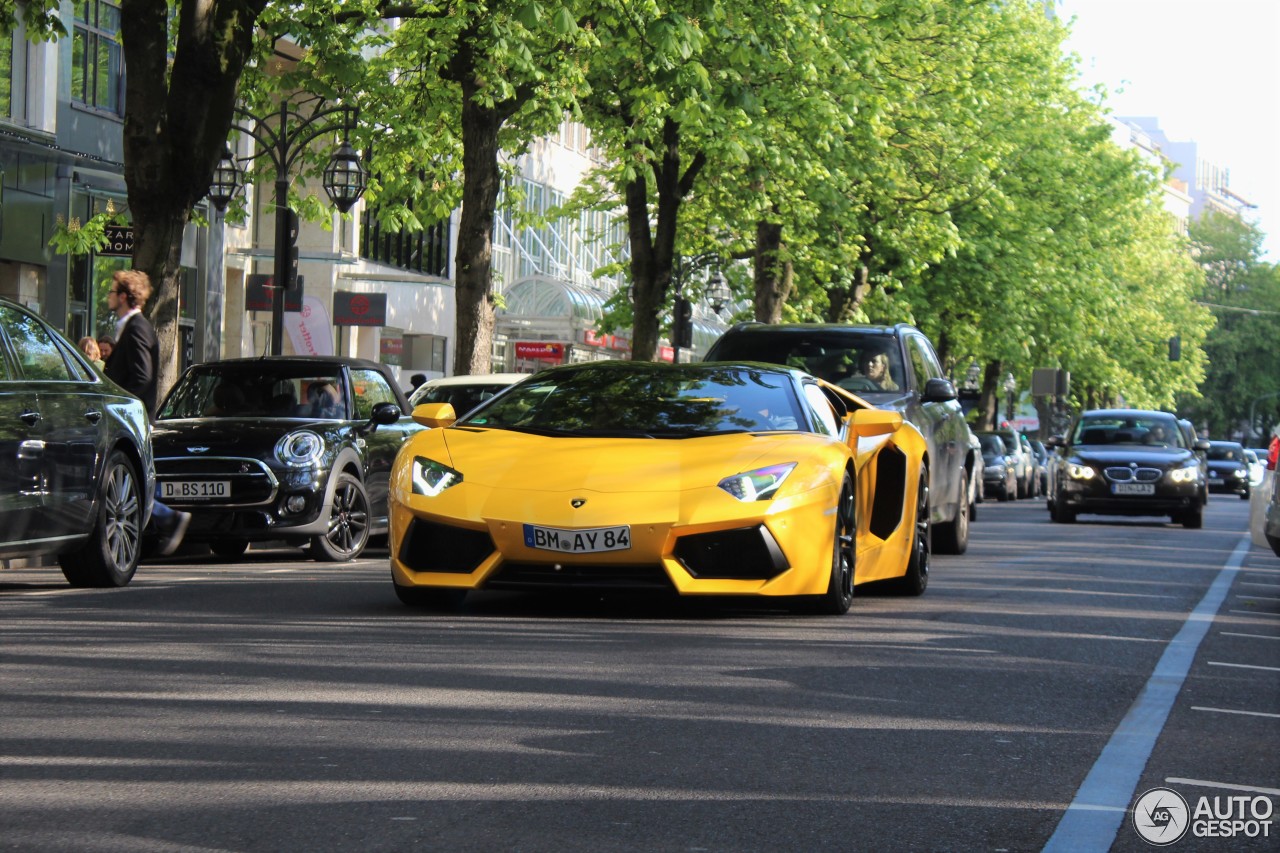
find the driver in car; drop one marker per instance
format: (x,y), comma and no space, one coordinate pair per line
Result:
(875,366)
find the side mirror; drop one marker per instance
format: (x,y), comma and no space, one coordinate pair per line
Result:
(1202,445)
(868,422)
(1056,441)
(383,414)
(938,390)
(434,414)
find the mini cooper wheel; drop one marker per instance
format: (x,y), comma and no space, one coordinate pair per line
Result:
(348,531)
(916,580)
(110,556)
(839,595)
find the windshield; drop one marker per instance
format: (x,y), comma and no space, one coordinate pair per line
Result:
(1226,452)
(1153,431)
(251,391)
(637,398)
(991,445)
(861,363)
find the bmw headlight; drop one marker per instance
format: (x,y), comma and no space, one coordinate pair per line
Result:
(300,449)
(430,478)
(758,485)
(1239,474)
(1186,474)
(1076,471)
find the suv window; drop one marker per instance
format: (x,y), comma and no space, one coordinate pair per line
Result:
(923,362)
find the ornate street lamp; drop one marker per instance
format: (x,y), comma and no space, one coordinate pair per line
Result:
(717,292)
(228,180)
(344,179)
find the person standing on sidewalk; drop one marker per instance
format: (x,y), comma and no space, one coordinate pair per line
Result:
(133,366)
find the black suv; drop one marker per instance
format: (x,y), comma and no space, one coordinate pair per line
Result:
(891,367)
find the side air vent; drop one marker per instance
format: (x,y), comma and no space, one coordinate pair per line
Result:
(749,554)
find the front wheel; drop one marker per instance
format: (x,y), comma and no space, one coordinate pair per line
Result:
(348,531)
(916,580)
(1063,514)
(839,595)
(110,556)
(1192,519)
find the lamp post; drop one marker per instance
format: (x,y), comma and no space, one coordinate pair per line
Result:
(1010,387)
(344,180)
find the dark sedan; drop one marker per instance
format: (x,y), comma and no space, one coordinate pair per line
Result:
(297,449)
(1228,468)
(76,477)
(999,473)
(1126,462)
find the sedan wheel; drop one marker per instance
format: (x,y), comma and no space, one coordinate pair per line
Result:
(348,531)
(110,557)
(839,595)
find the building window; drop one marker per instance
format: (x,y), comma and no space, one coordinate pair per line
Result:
(97,64)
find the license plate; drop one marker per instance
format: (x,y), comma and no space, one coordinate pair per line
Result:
(194,490)
(591,540)
(1133,488)
(1216,481)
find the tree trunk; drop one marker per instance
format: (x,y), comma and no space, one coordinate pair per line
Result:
(773,276)
(177,118)
(653,250)
(481,182)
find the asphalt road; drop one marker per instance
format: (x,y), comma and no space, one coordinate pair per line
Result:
(280,704)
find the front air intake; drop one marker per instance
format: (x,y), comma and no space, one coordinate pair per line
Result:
(431,547)
(749,553)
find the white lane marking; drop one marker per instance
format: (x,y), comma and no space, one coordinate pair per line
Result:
(1234,711)
(1252,636)
(1202,783)
(1245,666)
(1254,613)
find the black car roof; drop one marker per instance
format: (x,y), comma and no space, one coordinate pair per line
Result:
(802,328)
(349,361)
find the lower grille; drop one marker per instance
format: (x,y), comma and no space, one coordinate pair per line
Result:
(431,547)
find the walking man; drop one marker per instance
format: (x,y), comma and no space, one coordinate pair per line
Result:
(133,365)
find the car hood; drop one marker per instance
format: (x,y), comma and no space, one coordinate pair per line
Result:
(1152,456)
(222,436)
(516,460)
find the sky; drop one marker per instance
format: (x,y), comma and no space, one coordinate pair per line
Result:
(1209,70)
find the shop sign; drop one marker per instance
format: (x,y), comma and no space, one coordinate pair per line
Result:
(359,309)
(593,338)
(259,290)
(119,240)
(390,350)
(540,350)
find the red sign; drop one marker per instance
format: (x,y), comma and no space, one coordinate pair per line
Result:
(666,354)
(593,338)
(540,350)
(359,309)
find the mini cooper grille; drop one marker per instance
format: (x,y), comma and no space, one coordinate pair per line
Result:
(252,483)
(430,547)
(1118,474)
(750,554)
(564,575)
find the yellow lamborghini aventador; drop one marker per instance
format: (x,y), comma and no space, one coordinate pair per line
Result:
(704,479)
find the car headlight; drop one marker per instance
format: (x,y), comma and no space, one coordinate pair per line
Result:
(758,485)
(430,478)
(1238,474)
(1186,474)
(300,449)
(1076,471)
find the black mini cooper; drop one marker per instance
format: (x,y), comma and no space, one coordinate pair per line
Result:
(282,448)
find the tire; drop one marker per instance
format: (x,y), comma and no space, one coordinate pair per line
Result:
(1007,493)
(916,580)
(229,549)
(1192,519)
(1063,514)
(1274,542)
(839,595)
(1244,496)
(953,536)
(348,532)
(110,556)
(433,598)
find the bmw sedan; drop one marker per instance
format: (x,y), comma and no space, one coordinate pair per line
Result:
(1228,468)
(286,448)
(76,476)
(1127,462)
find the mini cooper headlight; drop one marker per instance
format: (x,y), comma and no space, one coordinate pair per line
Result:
(1076,471)
(758,485)
(430,478)
(300,449)
(1186,474)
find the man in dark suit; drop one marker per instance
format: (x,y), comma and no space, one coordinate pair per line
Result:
(133,365)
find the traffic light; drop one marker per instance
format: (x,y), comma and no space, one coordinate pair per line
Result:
(682,326)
